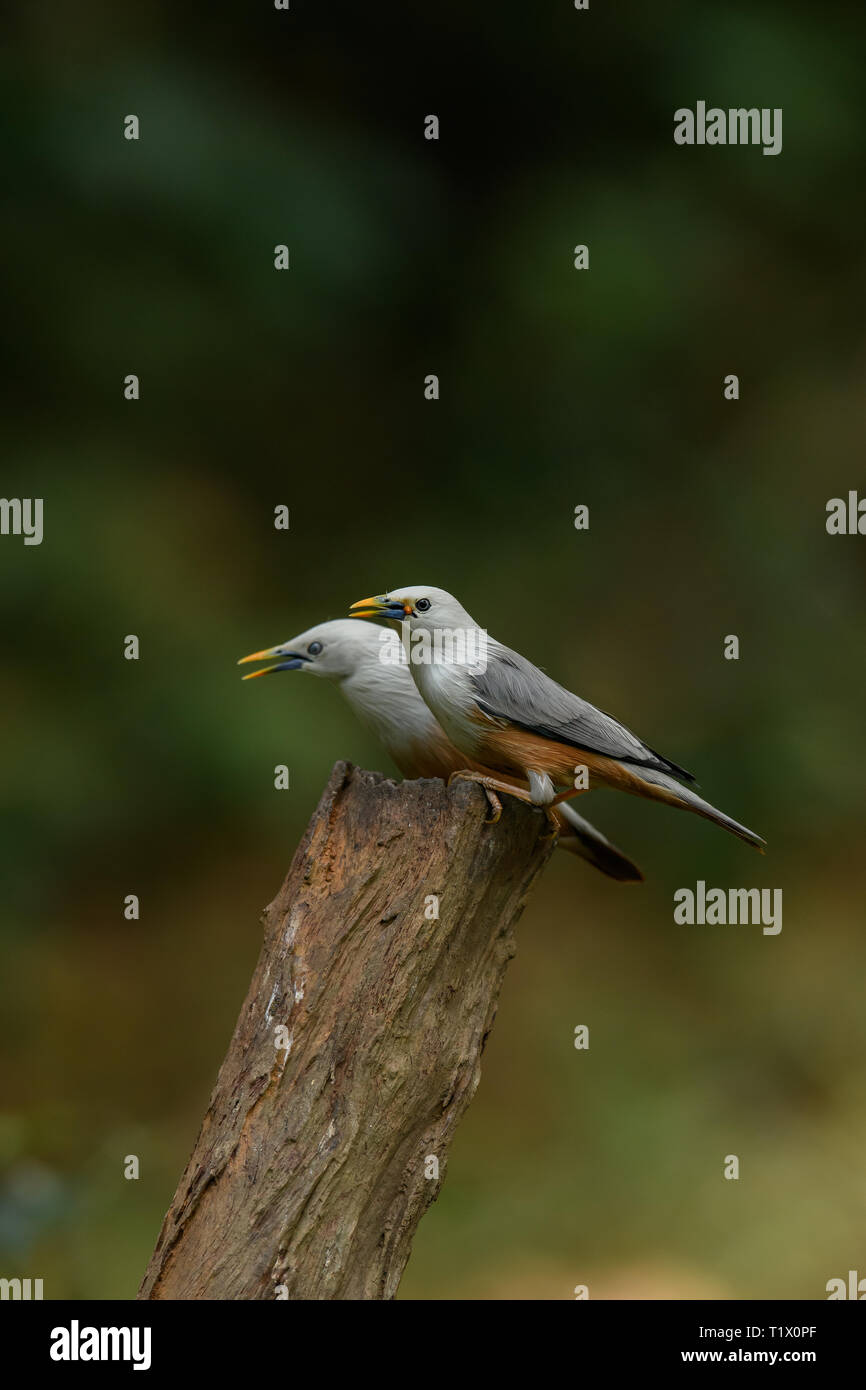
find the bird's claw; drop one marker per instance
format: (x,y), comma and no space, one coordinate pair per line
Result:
(495,805)
(492,799)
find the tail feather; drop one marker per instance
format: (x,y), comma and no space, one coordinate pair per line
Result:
(579,837)
(675,794)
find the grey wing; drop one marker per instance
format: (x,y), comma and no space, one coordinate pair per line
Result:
(512,689)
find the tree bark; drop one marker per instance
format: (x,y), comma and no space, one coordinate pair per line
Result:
(312,1167)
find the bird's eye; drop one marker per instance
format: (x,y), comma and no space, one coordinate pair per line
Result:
(422,605)
(314,648)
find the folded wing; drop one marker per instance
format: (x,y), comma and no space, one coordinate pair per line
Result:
(514,691)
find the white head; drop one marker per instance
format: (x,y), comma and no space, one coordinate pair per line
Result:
(423,606)
(339,650)
(369,665)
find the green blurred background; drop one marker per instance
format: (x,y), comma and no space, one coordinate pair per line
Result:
(558,387)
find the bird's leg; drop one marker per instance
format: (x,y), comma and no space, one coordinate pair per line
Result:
(491,786)
(552,821)
(550,812)
(567,795)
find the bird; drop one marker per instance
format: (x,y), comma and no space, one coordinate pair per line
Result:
(369,665)
(500,710)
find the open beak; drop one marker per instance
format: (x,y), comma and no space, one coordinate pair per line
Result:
(382,607)
(293,661)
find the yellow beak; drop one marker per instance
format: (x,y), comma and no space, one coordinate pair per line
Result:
(264,655)
(292,661)
(381,607)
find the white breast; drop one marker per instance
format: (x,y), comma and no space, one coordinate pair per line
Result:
(447,689)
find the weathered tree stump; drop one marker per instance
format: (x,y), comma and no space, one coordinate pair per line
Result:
(309,1175)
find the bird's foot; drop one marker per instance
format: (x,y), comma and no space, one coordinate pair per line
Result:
(491,786)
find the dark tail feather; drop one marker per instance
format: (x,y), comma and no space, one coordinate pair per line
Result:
(579,837)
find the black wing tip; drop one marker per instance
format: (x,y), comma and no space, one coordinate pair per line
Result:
(667,765)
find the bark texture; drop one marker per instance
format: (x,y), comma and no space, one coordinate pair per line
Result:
(307,1180)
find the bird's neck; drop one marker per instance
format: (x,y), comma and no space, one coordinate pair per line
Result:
(391,708)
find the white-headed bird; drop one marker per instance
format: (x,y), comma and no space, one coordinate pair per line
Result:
(370,667)
(501,711)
